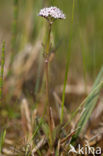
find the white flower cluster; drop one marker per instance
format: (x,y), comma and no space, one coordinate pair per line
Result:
(53,12)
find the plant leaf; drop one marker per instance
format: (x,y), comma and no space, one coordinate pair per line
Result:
(90,102)
(2,138)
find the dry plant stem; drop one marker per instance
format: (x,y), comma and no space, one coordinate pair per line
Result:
(47,81)
(48,102)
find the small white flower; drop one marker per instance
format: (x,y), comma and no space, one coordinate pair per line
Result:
(52,12)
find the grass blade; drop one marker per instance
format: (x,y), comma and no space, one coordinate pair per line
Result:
(90,102)
(98,79)
(67,67)
(14,34)
(2,138)
(2,70)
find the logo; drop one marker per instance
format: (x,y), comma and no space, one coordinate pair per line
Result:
(85,150)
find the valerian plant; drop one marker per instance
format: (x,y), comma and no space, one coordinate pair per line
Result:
(51,14)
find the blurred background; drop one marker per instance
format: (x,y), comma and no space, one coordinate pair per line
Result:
(80,43)
(86,45)
(21,28)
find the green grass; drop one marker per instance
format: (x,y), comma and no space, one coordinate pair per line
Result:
(80,39)
(67,65)
(90,102)
(14,31)
(2,139)
(2,70)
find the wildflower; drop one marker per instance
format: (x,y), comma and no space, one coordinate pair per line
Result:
(52,13)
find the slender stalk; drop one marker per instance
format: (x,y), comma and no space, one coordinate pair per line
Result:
(48,40)
(47,50)
(48,102)
(14,34)
(2,70)
(38,74)
(47,80)
(14,25)
(67,68)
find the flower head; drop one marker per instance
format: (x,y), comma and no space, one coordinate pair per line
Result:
(52,12)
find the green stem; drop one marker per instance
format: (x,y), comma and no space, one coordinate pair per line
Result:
(47,81)
(48,41)
(14,34)
(2,70)
(47,50)
(67,68)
